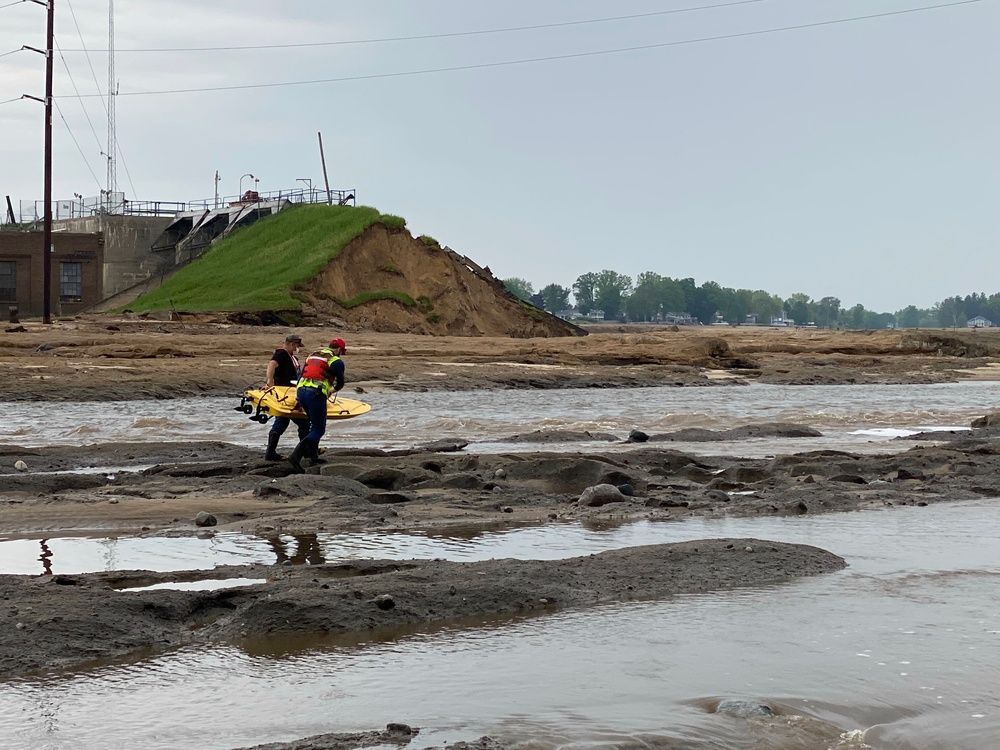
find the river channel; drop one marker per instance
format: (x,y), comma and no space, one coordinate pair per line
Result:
(860,418)
(900,651)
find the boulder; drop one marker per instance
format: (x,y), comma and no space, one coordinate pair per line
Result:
(601,494)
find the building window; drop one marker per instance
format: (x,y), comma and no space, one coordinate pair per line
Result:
(70,282)
(8,281)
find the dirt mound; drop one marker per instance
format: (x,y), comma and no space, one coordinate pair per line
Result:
(385,280)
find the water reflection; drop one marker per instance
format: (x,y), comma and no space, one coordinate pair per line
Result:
(307,550)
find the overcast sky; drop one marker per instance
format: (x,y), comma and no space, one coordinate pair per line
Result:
(859,160)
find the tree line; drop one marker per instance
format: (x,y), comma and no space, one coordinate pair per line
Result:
(652,297)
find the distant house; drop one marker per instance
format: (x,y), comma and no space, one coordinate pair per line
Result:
(979,322)
(595,315)
(679,319)
(718,320)
(782,321)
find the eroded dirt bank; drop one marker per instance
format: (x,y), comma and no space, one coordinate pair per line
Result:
(110,358)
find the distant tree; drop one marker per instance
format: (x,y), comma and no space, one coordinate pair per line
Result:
(645,301)
(520,287)
(827,312)
(798,308)
(908,317)
(583,290)
(555,297)
(765,306)
(856,317)
(949,313)
(538,301)
(609,289)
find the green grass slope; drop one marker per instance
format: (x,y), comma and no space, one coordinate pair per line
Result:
(258,267)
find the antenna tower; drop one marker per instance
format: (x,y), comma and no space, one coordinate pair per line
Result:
(112,92)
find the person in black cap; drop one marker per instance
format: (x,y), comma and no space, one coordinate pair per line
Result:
(323,372)
(283,369)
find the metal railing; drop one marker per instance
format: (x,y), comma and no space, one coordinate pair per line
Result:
(119,205)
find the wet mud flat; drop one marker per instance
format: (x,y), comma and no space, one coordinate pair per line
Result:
(93,488)
(69,620)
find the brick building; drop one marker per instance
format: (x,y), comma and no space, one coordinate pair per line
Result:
(77,272)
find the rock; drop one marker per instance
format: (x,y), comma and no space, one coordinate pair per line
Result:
(600,494)
(44,347)
(384,601)
(462,481)
(718,495)
(743,709)
(20,466)
(507,509)
(626,489)
(849,478)
(902,474)
(382,478)
(499,474)
(989,420)
(637,436)
(497,490)
(205,519)
(389,498)
(443,446)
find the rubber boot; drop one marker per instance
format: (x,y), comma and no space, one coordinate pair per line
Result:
(313,455)
(272,448)
(300,452)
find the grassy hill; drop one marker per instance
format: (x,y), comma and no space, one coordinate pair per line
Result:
(258,267)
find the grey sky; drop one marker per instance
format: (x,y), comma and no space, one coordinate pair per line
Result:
(859,160)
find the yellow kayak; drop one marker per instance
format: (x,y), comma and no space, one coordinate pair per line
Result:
(260,404)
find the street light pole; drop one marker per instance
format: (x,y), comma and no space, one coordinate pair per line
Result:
(241,183)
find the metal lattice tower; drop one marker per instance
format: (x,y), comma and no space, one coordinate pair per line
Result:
(112,91)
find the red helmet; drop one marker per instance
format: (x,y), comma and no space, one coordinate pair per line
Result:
(338,344)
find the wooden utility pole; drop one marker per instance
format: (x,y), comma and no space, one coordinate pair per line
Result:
(322,158)
(47,225)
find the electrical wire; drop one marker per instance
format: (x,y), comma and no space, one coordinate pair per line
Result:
(77,144)
(10,5)
(9,101)
(11,52)
(507,30)
(82,104)
(532,60)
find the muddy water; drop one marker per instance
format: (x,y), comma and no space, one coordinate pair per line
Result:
(851,417)
(898,651)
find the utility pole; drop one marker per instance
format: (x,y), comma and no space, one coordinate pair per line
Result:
(50,34)
(216,188)
(329,196)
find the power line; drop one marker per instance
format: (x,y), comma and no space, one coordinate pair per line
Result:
(571,56)
(9,5)
(445,35)
(13,51)
(82,104)
(76,143)
(8,101)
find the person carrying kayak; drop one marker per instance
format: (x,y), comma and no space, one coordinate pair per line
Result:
(323,372)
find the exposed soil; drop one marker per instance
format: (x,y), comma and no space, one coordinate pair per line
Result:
(114,358)
(454,295)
